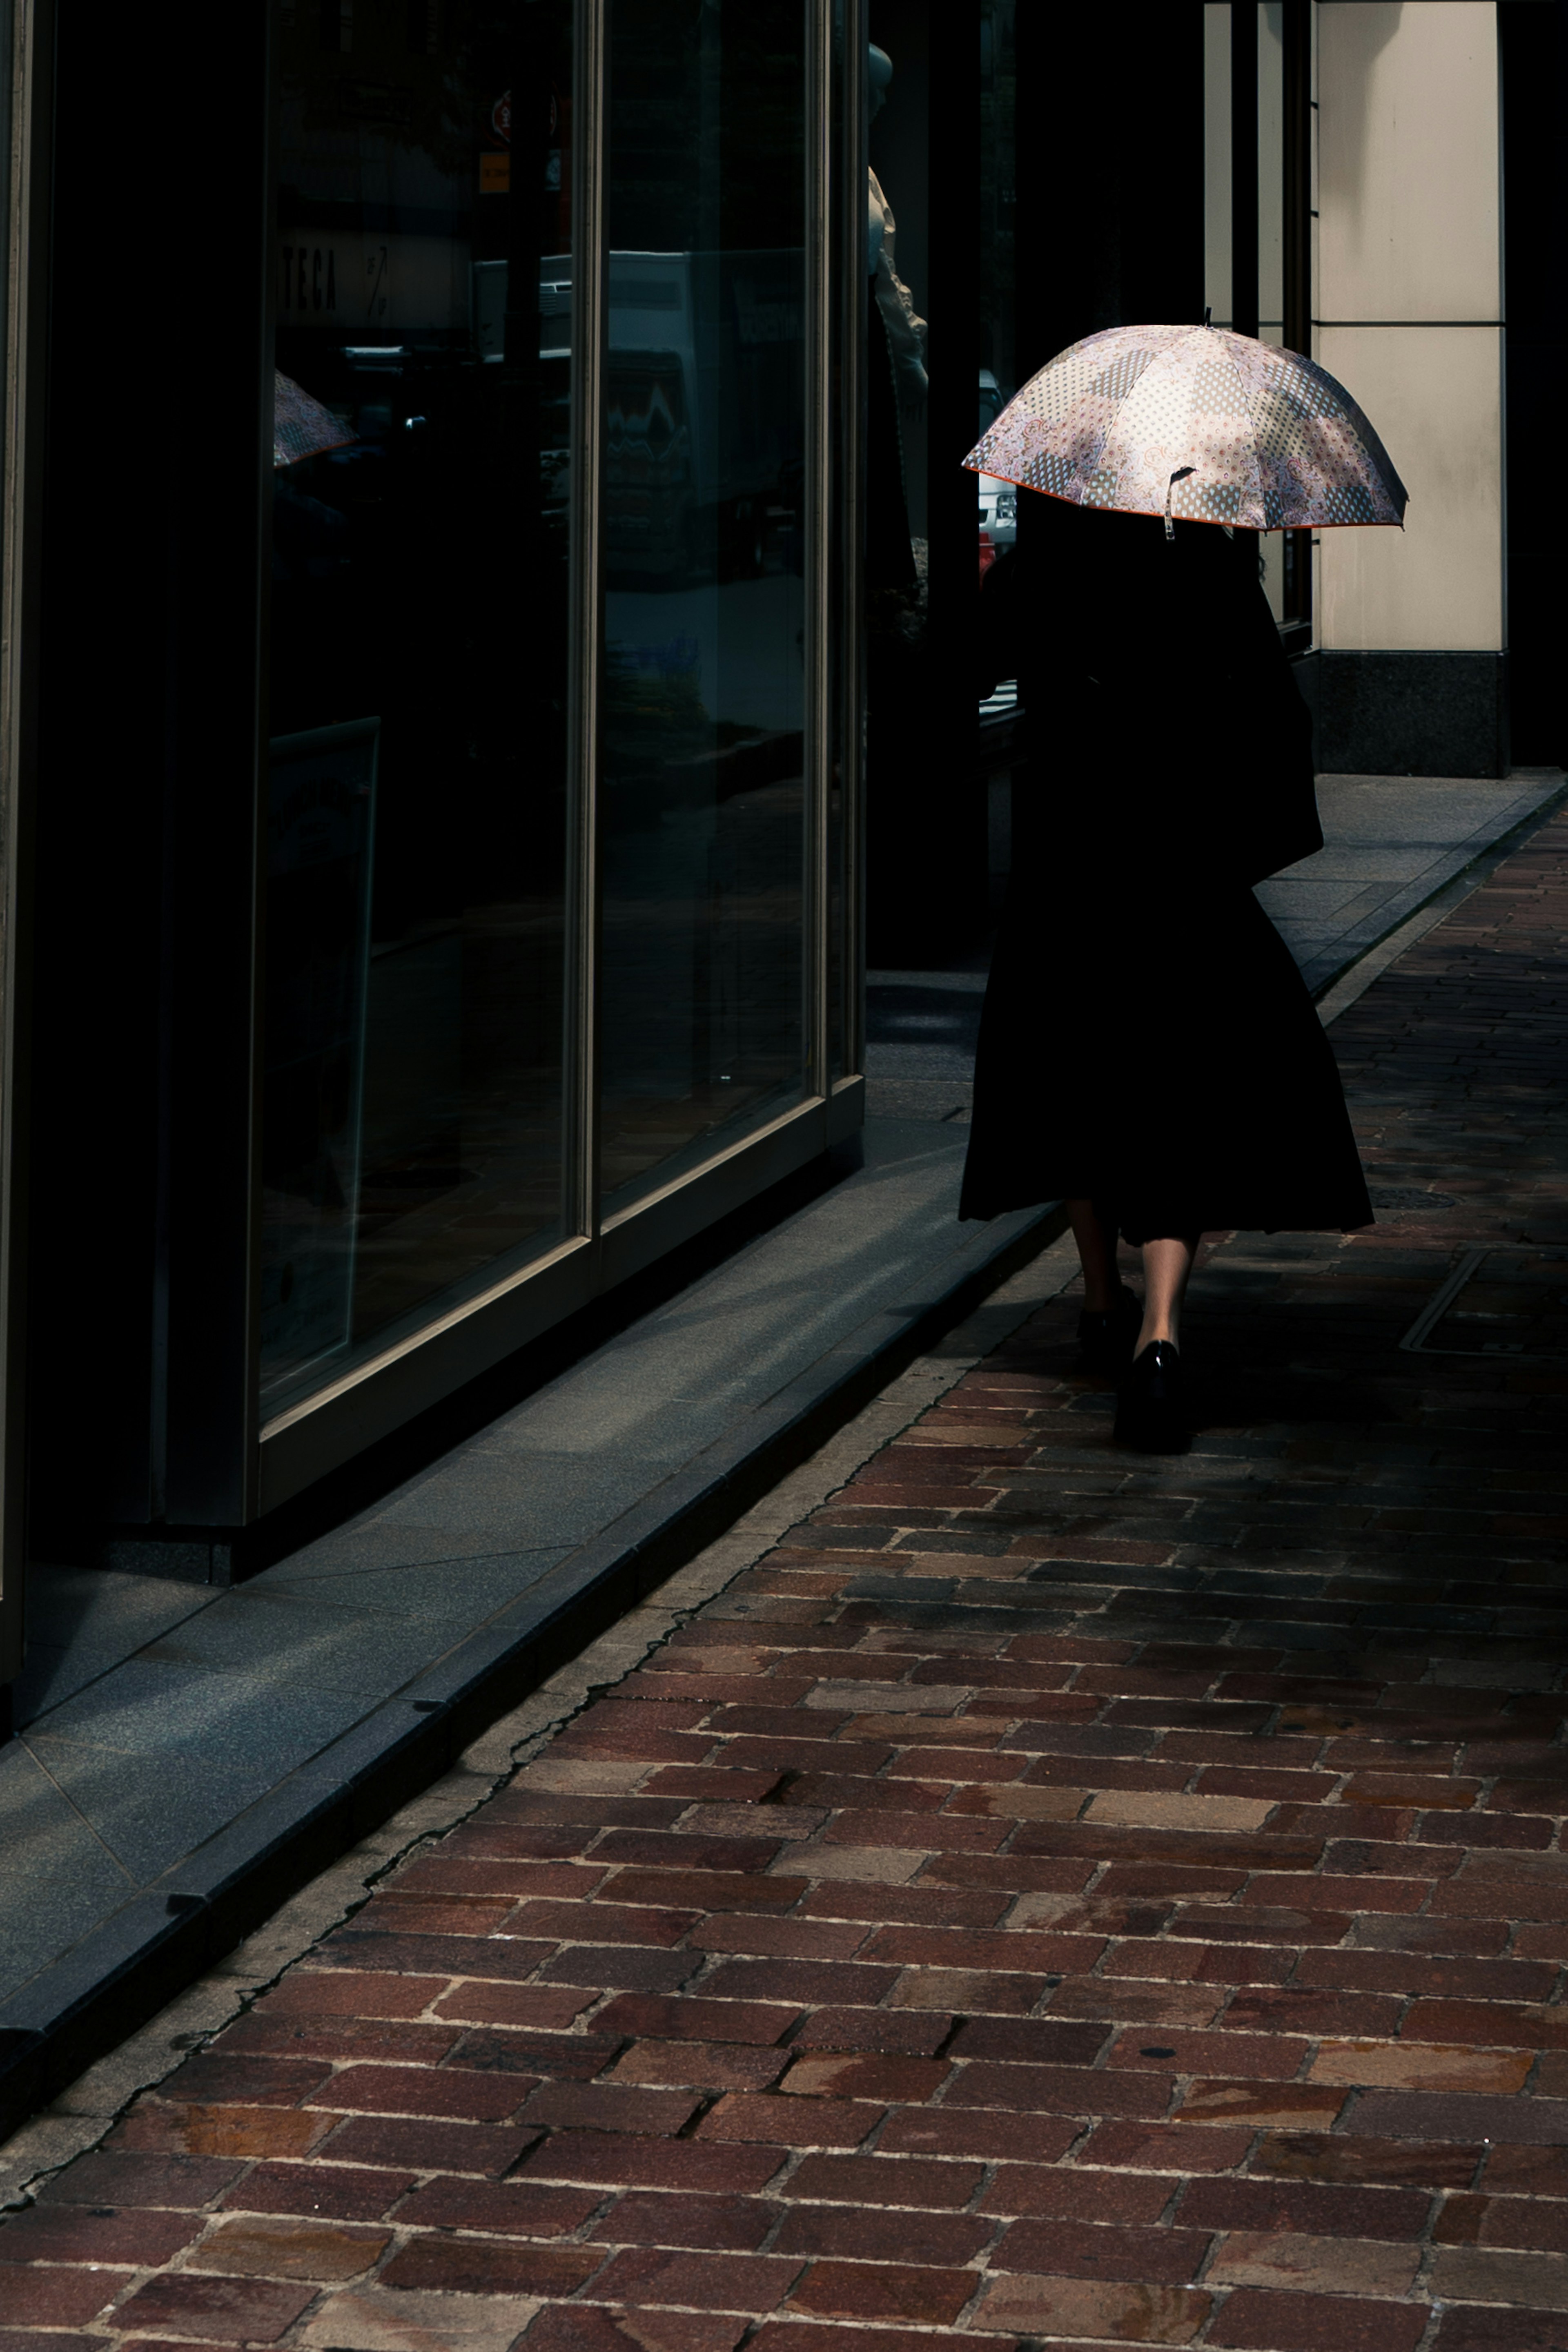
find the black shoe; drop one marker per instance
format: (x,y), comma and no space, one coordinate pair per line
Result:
(1106,1341)
(1152,1414)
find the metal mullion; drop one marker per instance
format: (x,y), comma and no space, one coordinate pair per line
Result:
(266,356)
(1297,223)
(581,1092)
(851,521)
(1244,167)
(213,700)
(819,338)
(29,55)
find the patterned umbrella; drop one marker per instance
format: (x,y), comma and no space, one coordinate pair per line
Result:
(301,427)
(1196,422)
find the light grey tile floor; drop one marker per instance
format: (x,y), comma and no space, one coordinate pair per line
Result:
(60,1878)
(53,1670)
(157,1707)
(113,1612)
(921,1029)
(150,1809)
(331,1647)
(432,1589)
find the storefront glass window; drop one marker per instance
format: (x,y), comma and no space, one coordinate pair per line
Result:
(415,812)
(702,1027)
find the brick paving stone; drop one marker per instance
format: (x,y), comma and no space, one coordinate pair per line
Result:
(1472,2329)
(224,2310)
(1058,1895)
(372,2318)
(28,2339)
(176,2183)
(287,2248)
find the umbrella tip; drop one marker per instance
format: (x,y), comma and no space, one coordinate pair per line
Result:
(1207,313)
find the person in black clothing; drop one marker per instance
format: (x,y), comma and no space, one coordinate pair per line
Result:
(1148,1052)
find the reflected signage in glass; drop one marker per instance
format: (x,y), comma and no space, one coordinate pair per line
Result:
(415,936)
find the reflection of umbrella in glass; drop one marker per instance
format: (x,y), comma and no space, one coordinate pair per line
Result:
(301,427)
(1198,423)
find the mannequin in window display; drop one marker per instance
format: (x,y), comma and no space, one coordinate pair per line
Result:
(898,383)
(903,907)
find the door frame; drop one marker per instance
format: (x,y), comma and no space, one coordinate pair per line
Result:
(27,33)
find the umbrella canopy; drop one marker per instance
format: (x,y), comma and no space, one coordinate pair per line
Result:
(301,427)
(1198,423)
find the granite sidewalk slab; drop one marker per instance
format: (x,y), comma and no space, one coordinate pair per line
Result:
(1391,843)
(1059,1897)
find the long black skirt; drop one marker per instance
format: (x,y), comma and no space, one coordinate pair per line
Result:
(1157,1052)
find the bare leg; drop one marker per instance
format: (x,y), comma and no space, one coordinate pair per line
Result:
(1167,1263)
(1097,1253)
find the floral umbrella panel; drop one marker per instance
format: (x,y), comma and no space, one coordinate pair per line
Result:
(302,427)
(1273,442)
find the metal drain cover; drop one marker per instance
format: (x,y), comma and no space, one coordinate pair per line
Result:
(1497,1302)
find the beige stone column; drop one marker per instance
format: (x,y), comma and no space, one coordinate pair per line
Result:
(1409,292)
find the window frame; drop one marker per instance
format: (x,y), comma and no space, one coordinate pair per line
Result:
(303,1442)
(27,46)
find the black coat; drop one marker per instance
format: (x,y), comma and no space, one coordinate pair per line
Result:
(1147,1040)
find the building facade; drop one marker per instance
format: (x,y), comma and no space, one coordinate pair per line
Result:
(462,564)
(457,912)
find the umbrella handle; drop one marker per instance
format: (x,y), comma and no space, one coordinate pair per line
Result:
(1179,476)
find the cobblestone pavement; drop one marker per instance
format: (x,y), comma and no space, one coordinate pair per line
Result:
(1059,1897)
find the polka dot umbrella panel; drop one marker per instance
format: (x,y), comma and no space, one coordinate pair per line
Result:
(1198,423)
(302,427)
